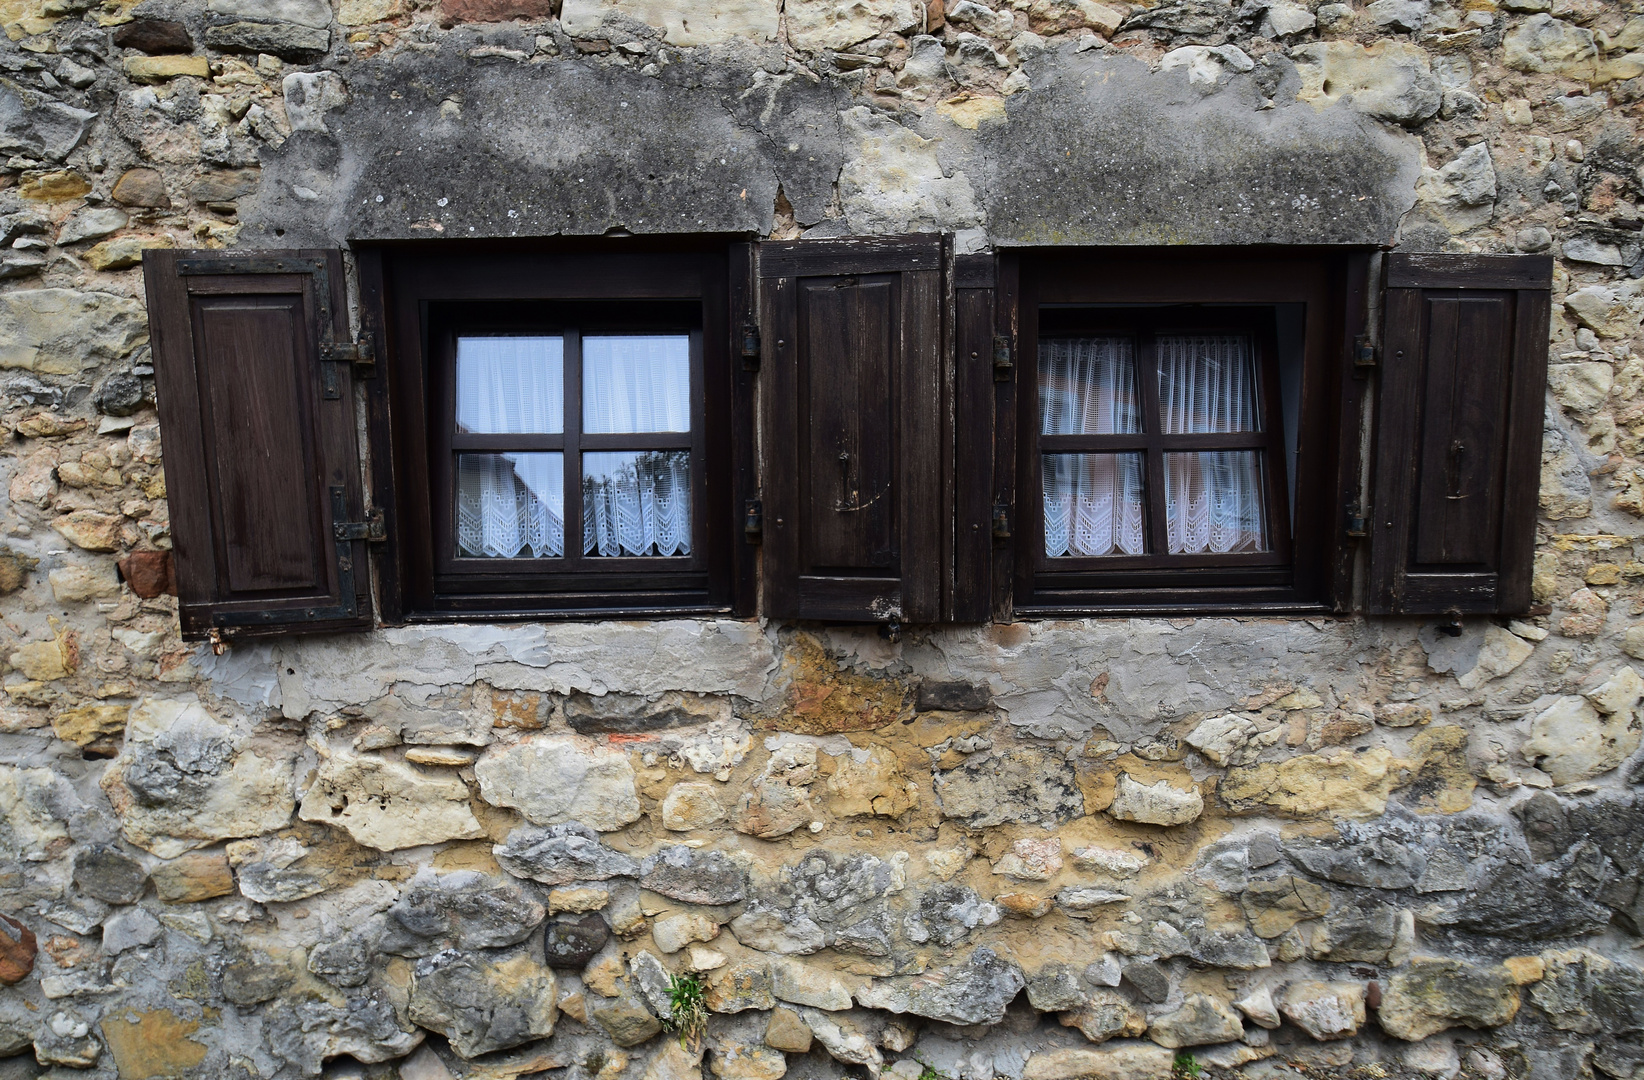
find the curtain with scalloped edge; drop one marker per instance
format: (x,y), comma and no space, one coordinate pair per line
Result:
(1213,499)
(511,506)
(636,503)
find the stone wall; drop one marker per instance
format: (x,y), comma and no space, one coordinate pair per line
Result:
(1041,851)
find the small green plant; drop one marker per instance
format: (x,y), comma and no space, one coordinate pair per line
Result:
(1185,1065)
(687,1009)
(930,1072)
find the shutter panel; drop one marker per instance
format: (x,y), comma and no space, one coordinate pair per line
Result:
(856,423)
(1458,444)
(975,277)
(261,459)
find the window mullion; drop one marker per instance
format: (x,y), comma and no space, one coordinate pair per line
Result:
(573,448)
(1147,374)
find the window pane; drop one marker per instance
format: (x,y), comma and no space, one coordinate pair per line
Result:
(1207,382)
(511,506)
(1213,502)
(636,382)
(636,503)
(511,385)
(1087,386)
(1093,504)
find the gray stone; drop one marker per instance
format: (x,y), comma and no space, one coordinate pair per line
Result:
(1105,1015)
(285,40)
(626,713)
(1585,992)
(1148,979)
(315,13)
(109,875)
(652,980)
(360,1022)
(975,992)
(121,394)
(1544,45)
(1084,902)
(483,1002)
(953,696)
(131,928)
(463,909)
(21,264)
(1593,251)
(274,870)
(841,900)
(1432,995)
(154,36)
(572,942)
(625,1019)
(1400,14)
(1024,785)
(947,913)
(553,779)
(1200,1021)
(558,854)
(1325,1010)
(251,977)
(64,1037)
(36,126)
(348,960)
(694,876)
(1237,949)
(1055,988)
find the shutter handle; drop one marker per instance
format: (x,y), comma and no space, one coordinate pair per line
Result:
(1457,450)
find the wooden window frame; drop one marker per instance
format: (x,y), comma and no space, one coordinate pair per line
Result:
(1315,573)
(423,293)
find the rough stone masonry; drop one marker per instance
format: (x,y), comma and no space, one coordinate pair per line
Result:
(1042,851)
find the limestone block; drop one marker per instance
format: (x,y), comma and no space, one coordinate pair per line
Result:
(283,39)
(1462,194)
(1543,45)
(673,932)
(152,69)
(1390,80)
(694,876)
(34,125)
(77,584)
(90,723)
(787,1032)
(1027,785)
(1610,311)
(309,95)
(974,992)
(1274,906)
(682,23)
(1234,738)
(1582,387)
(482,1002)
(109,875)
(63,331)
(871,782)
(89,530)
(1340,784)
(674,1060)
(1161,803)
(316,13)
(193,877)
(892,180)
(1432,995)
(742,1061)
(560,778)
(1325,1010)
(388,804)
(1123,1060)
(803,984)
(561,853)
(740,986)
(185,779)
(1106,1014)
(1200,1021)
(691,806)
(814,25)
(1259,1008)
(626,1020)
(1572,740)
(1031,860)
(577,899)
(1501,654)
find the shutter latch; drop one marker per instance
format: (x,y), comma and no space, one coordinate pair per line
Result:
(753,521)
(373,530)
(1002,363)
(359,353)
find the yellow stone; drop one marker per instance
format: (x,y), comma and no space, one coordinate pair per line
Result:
(59,186)
(41,661)
(1590,542)
(1340,784)
(364,12)
(87,724)
(970,111)
(90,530)
(125,252)
(150,69)
(825,700)
(577,899)
(1443,781)
(1525,969)
(1604,573)
(1275,906)
(1025,904)
(151,1045)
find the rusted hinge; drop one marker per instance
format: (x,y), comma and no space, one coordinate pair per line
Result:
(1003,365)
(373,530)
(359,353)
(753,521)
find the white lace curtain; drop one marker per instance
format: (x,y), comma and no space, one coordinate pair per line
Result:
(1213,499)
(1093,502)
(511,506)
(511,385)
(636,503)
(636,382)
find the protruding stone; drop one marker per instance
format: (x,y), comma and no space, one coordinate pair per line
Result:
(691,806)
(694,876)
(1113,1061)
(387,804)
(626,1020)
(571,943)
(109,875)
(1031,860)
(483,1003)
(739,987)
(1160,803)
(191,878)
(787,1032)
(803,984)
(561,853)
(1025,785)
(463,909)
(559,778)
(141,187)
(974,992)
(1432,995)
(1106,1014)
(154,36)
(673,932)
(1200,1021)
(1325,1010)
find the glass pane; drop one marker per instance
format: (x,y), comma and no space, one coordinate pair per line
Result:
(636,382)
(1093,504)
(1087,386)
(636,502)
(1213,502)
(1207,382)
(511,385)
(511,506)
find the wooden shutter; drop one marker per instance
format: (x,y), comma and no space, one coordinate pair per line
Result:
(983,358)
(255,388)
(856,496)
(1458,443)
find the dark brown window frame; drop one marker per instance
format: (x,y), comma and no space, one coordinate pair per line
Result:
(411,291)
(1333,284)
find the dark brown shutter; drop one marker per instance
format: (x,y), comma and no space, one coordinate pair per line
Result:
(1458,443)
(856,430)
(981,354)
(255,388)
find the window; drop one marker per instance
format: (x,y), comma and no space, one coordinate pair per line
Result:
(1182,421)
(565,429)
(575,449)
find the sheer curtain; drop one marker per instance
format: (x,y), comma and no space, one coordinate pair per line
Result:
(636,503)
(1213,499)
(636,382)
(1093,502)
(511,385)
(511,506)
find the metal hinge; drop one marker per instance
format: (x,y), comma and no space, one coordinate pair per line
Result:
(1003,365)
(1001,521)
(753,520)
(1364,352)
(373,530)
(1358,526)
(750,347)
(359,353)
